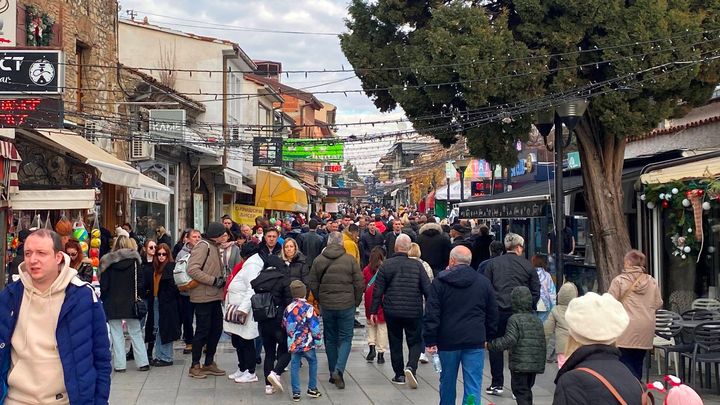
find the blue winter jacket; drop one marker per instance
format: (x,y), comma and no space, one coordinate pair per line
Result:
(82,340)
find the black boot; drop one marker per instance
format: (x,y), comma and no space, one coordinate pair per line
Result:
(381,358)
(150,347)
(371,355)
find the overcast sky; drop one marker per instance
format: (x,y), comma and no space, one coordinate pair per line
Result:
(296,52)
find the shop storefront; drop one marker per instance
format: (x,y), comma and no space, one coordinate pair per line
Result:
(681,227)
(153,203)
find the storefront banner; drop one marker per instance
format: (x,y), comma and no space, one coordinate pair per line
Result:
(31,71)
(8,22)
(505,210)
(313,150)
(246,214)
(198,212)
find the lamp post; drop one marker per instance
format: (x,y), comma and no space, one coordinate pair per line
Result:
(460,166)
(568,114)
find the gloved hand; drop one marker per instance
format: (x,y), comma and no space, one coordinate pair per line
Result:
(219,282)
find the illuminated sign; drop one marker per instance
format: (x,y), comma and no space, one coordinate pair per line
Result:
(31,72)
(313,150)
(31,113)
(333,168)
(485,187)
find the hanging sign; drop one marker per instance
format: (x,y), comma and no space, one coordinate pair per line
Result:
(28,112)
(31,71)
(267,151)
(8,22)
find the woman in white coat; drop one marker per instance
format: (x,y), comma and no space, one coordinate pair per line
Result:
(238,299)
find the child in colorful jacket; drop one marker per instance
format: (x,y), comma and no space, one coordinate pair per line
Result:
(303,330)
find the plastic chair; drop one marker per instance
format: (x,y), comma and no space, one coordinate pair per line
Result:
(699,315)
(706,351)
(709,304)
(668,339)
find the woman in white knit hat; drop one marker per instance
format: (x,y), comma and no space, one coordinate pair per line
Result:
(595,322)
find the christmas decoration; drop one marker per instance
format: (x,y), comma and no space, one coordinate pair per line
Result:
(39,27)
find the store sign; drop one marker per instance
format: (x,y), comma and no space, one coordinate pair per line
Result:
(198,212)
(8,22)
(31,71)
(268,151)
(246,214)
(525,209)
(486,187)
(23,112)
(167,126)
(338,192)
(313,150)
(573,160)
(333,168)
(519,169)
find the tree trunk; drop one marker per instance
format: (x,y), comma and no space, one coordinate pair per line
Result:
(602,163)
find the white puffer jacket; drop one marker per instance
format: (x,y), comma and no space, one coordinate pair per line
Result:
(239,293)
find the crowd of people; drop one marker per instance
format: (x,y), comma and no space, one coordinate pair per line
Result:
(281,288)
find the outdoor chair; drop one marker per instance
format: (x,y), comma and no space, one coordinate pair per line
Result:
(699,315)
(709,304)
(706,351)
(668,339)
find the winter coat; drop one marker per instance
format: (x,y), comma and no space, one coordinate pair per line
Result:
(146,272)
(426,266)
(481,249)
(311,244)
(368,242)
(336,280)
(265,250)
(168,296)
(367,276)
(435,246)
(462,240)
(575,387)
(298,269)
(409,231)
(640,305)
(274,281)
(350,246)
(390,242)
(204,266)
(509,271)
(82,342)
(230,260)
(556,320)
(118,272)
(400,287)
(165,238)
(461,311)
(524,336)
(302,325)
(239,293)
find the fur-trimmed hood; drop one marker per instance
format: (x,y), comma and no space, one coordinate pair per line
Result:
(431,229)
(118,256)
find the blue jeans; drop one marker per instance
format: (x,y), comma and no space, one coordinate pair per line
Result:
(163,351)
(338,333)
(472,361)
(295,370)
(118,343)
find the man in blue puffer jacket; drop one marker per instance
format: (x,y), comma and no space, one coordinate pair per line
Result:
(54,345)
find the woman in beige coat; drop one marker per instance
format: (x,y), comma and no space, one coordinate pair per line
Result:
(640,296)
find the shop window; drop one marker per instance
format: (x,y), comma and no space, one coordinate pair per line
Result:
(148,216)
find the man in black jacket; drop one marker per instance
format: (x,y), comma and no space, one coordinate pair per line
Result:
(459,234)
(505,273)
(370,238)
(435,247)
(459,315)
(400,286)
(311,243)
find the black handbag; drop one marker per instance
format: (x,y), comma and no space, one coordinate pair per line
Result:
(139,306)
(263,306)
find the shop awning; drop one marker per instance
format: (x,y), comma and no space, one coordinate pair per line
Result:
(30,200)
(150,191)
(277,192)
(442,194)
(112,170)
(234,178)
(693,170)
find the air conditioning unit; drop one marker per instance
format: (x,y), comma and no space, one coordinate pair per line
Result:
(141,150)
(93,132)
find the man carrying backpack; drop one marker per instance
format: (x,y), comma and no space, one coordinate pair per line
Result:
(337,283)
(205,266)
(187,312)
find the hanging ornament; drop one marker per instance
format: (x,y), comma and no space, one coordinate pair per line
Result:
(79,233)
(684,257)
(651,205)
(687,249)
(711,249)
(696,200)
(706,206)
(674,190)
(668,196)
(665,204)
(642,197)
(686,202)
(662,196)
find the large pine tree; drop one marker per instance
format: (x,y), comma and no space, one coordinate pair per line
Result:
(480,68)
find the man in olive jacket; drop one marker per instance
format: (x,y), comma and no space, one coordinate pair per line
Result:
(337,282)
(205,267)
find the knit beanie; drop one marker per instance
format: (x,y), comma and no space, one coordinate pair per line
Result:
(298,289)
(596,319)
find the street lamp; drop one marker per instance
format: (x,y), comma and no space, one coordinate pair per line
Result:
(568,114)
(460,166)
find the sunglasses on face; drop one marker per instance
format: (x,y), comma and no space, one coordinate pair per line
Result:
(151,247)
(162,254)
(72,254)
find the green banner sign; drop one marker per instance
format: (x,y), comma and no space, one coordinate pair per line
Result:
(312,150)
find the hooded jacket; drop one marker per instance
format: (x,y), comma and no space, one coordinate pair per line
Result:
(239,293)
(204,266)
(556,320)
(574,386)
(351,246)
(508,271)
(461,310)
(336,280)
(78,334)
(524,335)
(400,286)
(435,246)
(640,304)
(118,272)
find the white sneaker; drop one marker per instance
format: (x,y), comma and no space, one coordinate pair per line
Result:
(423,358)
(237,374)
(269,390)
(275,381)
(247,378)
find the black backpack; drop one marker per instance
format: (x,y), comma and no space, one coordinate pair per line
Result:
(263,306)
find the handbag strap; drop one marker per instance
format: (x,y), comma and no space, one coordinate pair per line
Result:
(136,283)
(372,280)
(632,287)
(606,383)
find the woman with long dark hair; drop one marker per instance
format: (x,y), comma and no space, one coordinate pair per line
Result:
(377,332)
(163,320)
(78,261)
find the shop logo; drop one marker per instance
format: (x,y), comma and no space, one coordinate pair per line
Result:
(41,72)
